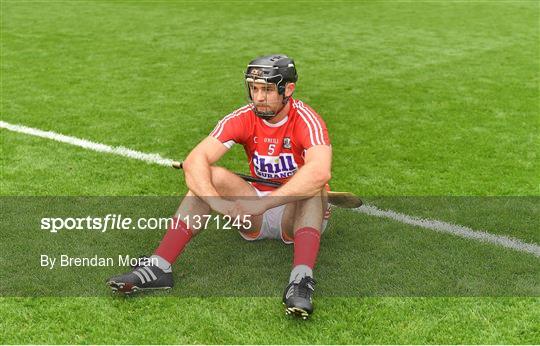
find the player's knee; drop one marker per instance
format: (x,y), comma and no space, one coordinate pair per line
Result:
(220,176)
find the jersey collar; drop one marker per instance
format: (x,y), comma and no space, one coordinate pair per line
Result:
(278,124)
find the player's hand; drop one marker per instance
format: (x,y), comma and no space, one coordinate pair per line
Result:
(249,207)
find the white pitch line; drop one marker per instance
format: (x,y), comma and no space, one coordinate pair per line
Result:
(83,143)
(434,225)
(457,230)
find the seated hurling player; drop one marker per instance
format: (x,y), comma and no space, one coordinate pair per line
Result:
(285,141)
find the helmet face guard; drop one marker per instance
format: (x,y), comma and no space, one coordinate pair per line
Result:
(274,69)
(267,85)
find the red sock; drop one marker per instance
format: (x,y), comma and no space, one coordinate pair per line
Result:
(306,246)
(174,241)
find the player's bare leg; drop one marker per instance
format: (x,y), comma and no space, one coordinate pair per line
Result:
(302,221)
(229,186)
(156,272)
(193,211)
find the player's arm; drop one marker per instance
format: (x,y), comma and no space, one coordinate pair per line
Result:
(308,180)
(197,167)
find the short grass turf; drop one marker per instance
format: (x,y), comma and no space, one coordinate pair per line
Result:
(424,98)
(260,320)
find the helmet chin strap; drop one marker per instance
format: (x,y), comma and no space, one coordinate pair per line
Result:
(270,115)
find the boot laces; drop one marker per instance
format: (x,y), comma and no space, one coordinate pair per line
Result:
(305,287)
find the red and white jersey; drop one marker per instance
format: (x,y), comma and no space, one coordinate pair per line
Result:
(275,151)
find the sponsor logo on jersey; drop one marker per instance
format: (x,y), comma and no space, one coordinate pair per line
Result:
(287,143)
(274,167)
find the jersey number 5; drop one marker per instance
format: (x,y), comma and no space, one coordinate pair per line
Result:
(271,149)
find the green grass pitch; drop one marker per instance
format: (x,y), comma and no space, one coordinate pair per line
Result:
(428,98)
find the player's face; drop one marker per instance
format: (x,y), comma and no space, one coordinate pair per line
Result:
(265,96)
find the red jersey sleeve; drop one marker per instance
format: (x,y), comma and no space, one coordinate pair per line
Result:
(233,127)
(311,129)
